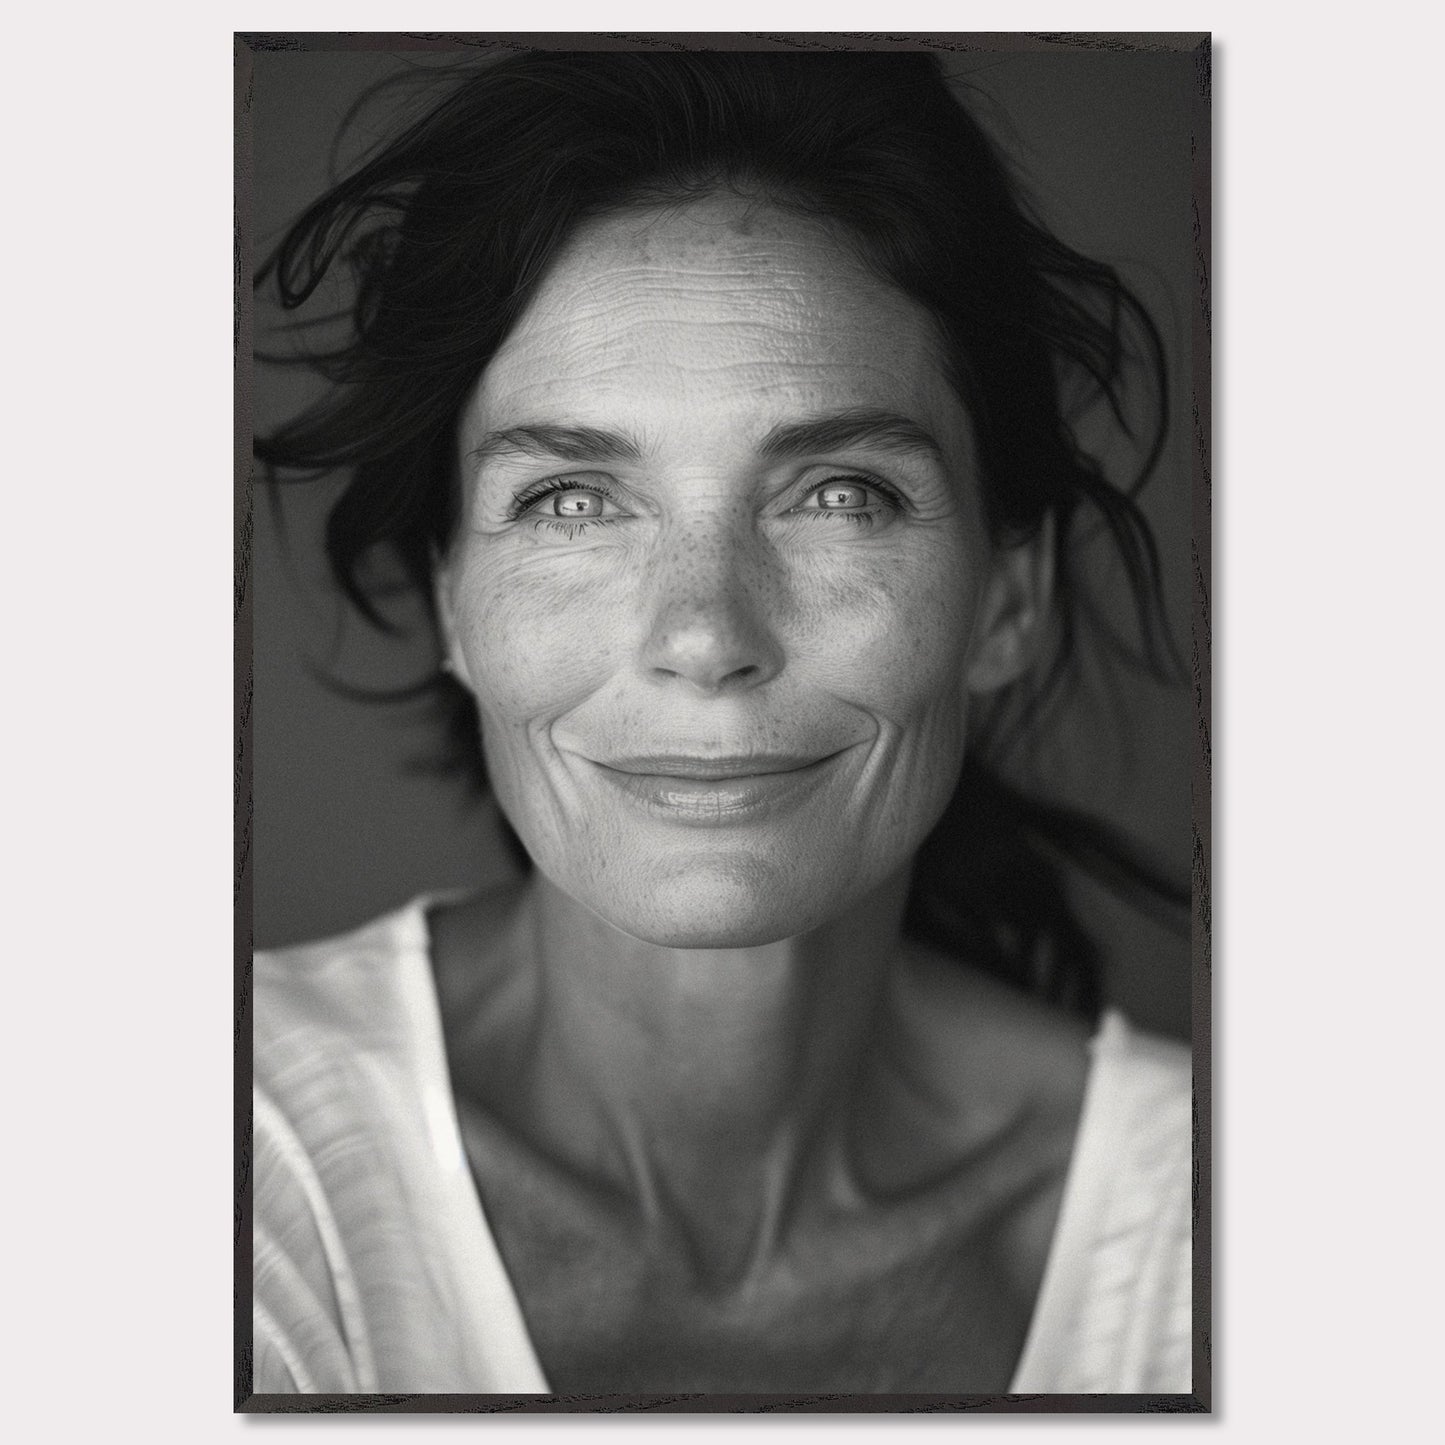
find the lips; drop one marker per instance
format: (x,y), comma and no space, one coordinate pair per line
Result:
(712,769)
(712,791)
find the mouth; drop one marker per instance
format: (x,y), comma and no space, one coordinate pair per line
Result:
(713,769)
(708,791)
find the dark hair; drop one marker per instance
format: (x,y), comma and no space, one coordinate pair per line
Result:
(448,229)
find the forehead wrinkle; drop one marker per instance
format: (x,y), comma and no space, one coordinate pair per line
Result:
(767,293)
(773,319)
(584,380)
(624,284)
(737,326)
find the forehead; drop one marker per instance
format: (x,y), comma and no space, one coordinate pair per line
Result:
(723,309)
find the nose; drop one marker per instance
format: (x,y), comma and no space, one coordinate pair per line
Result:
(713,613)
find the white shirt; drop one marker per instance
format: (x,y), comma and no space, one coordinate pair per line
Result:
(375,1270)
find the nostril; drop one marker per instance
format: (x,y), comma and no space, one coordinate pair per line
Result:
(708,678)
(712,679)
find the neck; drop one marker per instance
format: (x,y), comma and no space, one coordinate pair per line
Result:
(701,1082)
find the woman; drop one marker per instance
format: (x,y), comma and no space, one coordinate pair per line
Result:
(716,404)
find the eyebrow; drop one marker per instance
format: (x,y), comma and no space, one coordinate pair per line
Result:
(788,441)
(858,426)
(567,443)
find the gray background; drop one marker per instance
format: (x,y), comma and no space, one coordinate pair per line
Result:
(345,828)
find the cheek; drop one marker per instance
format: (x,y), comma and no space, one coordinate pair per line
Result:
(892,631)
(886,629)
(537,635)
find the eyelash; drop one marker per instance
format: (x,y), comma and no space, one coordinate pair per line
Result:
(892,502)
(528,498)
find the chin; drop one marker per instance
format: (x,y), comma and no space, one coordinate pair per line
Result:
(735,901)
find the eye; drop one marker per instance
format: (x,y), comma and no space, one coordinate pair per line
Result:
(855,499)
(566,499)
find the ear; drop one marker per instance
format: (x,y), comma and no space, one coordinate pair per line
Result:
(1014,611)
(453,660)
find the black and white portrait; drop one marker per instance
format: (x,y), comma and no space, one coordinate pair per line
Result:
(728,746)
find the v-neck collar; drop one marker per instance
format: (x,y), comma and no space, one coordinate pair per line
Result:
(493,1319)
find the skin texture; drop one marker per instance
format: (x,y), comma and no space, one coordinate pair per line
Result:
(730,1132)
(716,607)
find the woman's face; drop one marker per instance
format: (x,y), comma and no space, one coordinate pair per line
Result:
(721,582)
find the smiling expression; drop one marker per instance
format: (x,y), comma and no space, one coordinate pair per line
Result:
(721,582)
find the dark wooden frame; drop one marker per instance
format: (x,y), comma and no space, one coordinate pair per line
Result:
(1200,1400)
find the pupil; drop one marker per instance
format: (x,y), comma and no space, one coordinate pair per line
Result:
(841,497)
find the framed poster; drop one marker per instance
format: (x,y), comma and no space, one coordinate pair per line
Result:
(723,670)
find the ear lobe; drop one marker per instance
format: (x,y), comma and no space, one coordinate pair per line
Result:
(1013,612)
(453,660)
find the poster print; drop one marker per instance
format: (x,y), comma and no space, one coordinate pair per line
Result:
(724,679)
